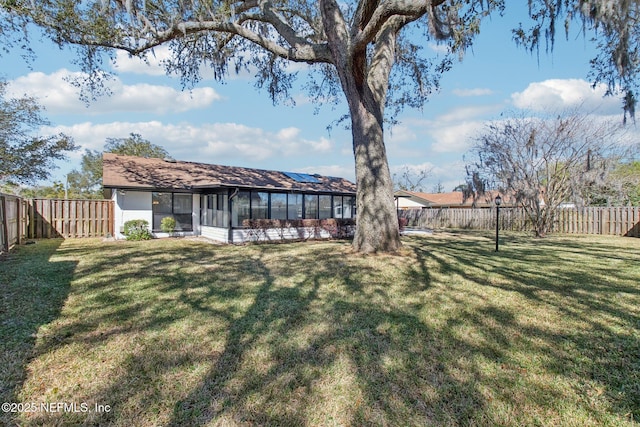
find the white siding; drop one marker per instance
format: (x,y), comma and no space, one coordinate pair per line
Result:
(276,234)
(215,233)
(137,205)
(131,205)
(406,203)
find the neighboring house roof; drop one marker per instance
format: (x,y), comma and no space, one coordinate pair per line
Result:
(142,173)
(455,199)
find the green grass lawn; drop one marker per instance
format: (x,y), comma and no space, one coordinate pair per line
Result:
(183,332)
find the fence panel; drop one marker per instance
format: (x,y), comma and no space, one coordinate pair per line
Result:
(70,218)
(12,221)
(4,230)
(46,218)
(618,221)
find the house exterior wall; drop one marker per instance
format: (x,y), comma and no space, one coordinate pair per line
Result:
(215,233)
(268,235)
(406,203)
(277,234)
(130,205)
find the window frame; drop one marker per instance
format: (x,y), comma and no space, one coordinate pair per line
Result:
(180,217)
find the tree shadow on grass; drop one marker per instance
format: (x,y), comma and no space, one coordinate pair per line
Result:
(311,334)
(335,351)
(575,282)
(34,287)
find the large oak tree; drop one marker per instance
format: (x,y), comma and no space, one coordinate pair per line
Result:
(371,50)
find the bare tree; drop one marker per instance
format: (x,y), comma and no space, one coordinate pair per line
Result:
(371,50)
(544,162)
(410,179)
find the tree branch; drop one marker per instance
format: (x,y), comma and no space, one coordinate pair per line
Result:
(297,48)
(335,28)
(383,13)
(383,60)
(300,50)
(363,15)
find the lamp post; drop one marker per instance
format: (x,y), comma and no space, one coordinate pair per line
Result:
(498,203)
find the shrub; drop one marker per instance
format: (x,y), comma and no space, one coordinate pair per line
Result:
(137,229)
(168,224)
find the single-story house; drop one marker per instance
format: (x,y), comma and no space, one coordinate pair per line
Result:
(454,199)
(214,201)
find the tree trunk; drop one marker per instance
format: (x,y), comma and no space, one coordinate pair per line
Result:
(365,87)
(377,219)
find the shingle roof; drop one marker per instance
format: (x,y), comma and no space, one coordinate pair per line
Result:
(143,173)
(440,199)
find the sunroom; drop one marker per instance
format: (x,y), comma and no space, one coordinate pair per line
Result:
(223,202)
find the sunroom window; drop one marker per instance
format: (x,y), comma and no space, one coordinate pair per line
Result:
(179,206)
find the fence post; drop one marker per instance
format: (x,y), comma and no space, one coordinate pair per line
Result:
(4,232)
(30,222)
(18,221)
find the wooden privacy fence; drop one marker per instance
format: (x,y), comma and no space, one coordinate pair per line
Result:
(12,221)
(608,221)
(69,218)
(619,221)
(46,218)
(477,219)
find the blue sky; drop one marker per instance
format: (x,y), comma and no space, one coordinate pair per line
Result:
(234,124)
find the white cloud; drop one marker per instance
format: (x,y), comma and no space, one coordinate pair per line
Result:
(450,132)
(151,65)
(58,96)
(559,94)
(405,140)
(456,137)
(400,133)
(473,112)
(289,133)
(210,143)
(472,92)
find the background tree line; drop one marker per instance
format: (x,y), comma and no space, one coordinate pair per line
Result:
(86,182)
